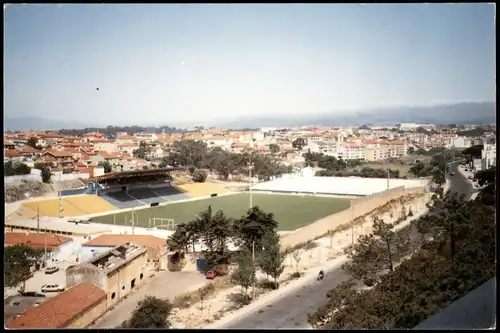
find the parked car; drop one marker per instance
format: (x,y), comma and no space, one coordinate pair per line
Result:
(47,288)
(452,174)
(30,294)
(470,177)
(211,275)
(51,270)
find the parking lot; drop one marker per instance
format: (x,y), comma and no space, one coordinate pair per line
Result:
(15,305)
(164,284)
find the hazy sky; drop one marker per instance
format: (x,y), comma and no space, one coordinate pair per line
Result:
(171,63)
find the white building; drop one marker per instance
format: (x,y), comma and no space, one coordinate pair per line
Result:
(146,136)
(461,142)
(489,156)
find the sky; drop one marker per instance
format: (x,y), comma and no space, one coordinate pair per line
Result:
(168,64)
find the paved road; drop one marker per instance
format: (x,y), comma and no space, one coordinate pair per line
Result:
(458,182)
(290,310)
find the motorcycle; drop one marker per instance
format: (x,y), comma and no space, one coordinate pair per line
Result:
(321,275)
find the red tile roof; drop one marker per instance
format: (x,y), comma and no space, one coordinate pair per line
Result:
(105,155)
(28,150)
(57,153)
(115,240)
(34,240)
(11,153)
(59,311)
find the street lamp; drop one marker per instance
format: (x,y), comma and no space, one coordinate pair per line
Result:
(250,167)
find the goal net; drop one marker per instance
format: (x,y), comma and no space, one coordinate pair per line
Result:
(160,223)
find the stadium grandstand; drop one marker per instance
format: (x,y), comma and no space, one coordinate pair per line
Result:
(341,186)
(202,189)
(131,189)
(70,206)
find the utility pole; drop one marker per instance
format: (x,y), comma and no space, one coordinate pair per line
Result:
(37,219)
(250,166)
(59,192)
(45,252)
(253,263)
(388,174)
(352,223)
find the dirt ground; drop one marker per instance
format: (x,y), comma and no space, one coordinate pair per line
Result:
(164,284)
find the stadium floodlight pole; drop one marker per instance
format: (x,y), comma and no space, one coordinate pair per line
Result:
(388,175)
(250,166)
(352,223)
(37,219)
(253,264)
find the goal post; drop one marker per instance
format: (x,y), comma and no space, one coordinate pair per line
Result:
(161,223)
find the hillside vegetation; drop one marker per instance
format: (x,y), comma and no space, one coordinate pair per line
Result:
(457,254)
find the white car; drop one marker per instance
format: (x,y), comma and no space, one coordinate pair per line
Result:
(47,288)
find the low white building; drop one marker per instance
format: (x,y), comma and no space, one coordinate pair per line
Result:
(461,142)
(489,156)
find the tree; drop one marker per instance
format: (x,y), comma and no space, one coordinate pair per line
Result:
(151,312)
(215,231)
(46,175)
(187,153)
(299,143)
(338,297)
(45,171)
(487,178)
(106,165)
(245,275)
(297,257)
(272,260)
(18,261)
(180,239)
(417,168)
(377,252)
(274,148)
(143,151)
(199,176)
(439,178)
(428,281)
(251,229)
(16,168)
(473,152)
(204,292)
(33,143)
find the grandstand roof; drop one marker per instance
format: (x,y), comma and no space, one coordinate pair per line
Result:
(131,174)
(335,185)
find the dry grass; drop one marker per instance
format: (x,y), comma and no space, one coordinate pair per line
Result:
(185,300)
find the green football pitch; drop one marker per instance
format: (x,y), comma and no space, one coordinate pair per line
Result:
(291,211)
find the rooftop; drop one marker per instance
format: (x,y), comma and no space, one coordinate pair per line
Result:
(35,240)
(59,311)
(116,240)
(117,257)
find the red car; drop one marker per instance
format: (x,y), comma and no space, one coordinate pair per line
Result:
(211,275)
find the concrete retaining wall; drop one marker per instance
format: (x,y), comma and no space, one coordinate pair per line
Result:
(359,208)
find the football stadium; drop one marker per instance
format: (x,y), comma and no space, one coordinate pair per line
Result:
(148,199)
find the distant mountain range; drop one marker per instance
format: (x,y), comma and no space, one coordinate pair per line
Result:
(38,124)
(459,113)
